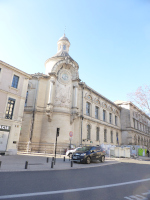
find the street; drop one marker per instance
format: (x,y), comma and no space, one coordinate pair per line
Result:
(114,181)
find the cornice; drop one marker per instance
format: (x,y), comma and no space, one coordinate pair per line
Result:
(135,130)
(101,122)
(39,75)
(134,106)
(82,84)
(6,92)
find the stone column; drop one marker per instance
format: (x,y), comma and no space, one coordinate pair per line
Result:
(49,108)
(75,96)
(51,91)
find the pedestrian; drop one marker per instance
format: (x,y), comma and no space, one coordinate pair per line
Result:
(147,152)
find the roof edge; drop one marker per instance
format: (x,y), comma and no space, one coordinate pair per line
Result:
(15,69)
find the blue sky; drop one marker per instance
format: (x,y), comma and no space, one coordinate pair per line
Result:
(110,39)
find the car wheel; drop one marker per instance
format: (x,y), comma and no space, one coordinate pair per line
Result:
(88,160)
(102,159)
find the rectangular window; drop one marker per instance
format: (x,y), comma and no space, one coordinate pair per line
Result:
(88,108)
(140,126)
(104,115)
(116,120)
(137,125)
(96,112)
(26,99)
(111,133)
(15,81)
(105,135)
(110,118)
(117,139)
(88,132)
(10,108)
(134,123)
(97,134)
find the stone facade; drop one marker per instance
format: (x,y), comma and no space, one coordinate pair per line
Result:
(135,125)
(13,88)
(59,99)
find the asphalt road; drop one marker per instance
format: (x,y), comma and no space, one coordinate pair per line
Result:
(117,181)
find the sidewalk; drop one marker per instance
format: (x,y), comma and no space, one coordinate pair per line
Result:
(38,162)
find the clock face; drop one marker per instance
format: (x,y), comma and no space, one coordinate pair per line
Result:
(65,76)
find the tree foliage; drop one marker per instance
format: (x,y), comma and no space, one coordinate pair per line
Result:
(141,98)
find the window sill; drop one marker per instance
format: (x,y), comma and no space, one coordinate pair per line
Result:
(16,89)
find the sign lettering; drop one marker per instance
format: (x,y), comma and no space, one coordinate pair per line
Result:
(3,127)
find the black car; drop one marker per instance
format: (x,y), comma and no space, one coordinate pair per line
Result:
(86,154)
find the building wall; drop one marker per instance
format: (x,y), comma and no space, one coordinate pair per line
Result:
(67,112)
(135,125)
(18,94)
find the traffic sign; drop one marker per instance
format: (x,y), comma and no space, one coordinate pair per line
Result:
(70,133)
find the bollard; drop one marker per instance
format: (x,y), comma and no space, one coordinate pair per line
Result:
(52,164)
(0,163)
(64,158)
(71,163)
(26,164)
(47,160)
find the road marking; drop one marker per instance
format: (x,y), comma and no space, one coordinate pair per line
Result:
(71,190)
(138,197)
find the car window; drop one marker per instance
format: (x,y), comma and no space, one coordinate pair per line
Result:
(86,148)
(79,149)
(93,148)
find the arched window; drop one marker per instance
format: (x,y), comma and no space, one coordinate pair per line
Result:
(138,140)
(88,132)
(111,135)
(117,139)
(88,108)
(104,115)
(97,133)
(105,135)
(96,112)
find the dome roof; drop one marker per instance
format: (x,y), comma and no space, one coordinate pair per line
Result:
(63,38)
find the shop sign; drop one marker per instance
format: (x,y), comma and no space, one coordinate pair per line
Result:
(4,128)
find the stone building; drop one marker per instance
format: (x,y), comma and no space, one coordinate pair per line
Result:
(13,88)
(59,99)
(135,125)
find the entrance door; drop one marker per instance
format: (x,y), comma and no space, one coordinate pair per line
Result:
(3,140)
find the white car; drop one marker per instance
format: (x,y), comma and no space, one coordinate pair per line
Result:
(70,152)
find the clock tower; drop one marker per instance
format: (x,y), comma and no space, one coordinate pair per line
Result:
(63,81)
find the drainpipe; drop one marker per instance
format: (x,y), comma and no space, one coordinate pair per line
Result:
(82,115)
(33,116)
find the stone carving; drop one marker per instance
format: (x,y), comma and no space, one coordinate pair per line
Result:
(62,95)
(88,97)
(66,61)
(49,112)
(68,66)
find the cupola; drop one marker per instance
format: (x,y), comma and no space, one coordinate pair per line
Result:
(63,44)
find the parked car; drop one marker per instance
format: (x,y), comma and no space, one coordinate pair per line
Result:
(71,151)
(87,154)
